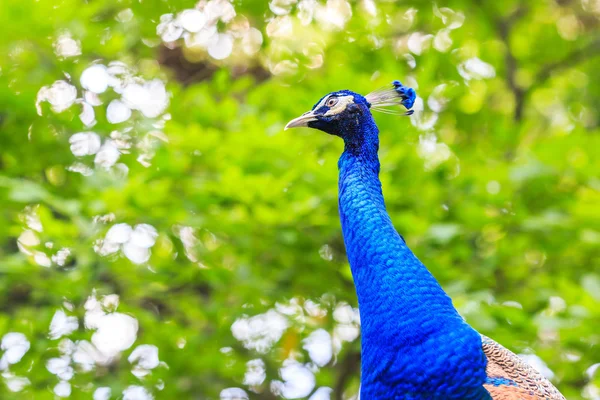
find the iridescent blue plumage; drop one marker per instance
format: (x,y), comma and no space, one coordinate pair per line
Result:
(407,94)
(411,333)
(415,345)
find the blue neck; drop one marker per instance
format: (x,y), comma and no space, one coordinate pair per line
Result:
(409,325)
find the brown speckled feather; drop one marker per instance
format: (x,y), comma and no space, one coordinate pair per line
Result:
(523,382)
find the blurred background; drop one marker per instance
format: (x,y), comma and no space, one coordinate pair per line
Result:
(162,237)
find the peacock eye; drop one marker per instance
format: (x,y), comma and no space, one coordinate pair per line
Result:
(331,102)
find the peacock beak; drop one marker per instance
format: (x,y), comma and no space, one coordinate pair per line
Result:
(302,120)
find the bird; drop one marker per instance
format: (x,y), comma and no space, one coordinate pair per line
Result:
(414,343)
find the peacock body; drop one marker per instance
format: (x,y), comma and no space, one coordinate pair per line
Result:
(415,345)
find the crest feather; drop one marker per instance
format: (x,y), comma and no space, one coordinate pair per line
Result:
(381,99)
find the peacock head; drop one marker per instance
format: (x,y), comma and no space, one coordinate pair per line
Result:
(340,112)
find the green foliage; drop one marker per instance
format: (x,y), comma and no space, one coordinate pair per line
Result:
(495,185)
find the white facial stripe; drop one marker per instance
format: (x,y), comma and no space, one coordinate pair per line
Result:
(322,102)
(340,105)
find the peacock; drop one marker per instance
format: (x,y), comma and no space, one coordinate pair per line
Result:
(414,343)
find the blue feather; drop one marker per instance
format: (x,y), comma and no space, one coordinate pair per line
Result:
(408,94)
(495,381)
(415,345)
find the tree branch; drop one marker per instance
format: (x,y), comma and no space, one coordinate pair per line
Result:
(349,367)
(591,50)
(504,27)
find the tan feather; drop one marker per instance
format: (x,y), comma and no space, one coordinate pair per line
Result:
(529,384)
